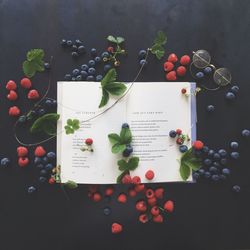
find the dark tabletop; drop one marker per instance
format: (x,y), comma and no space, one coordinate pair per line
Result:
(207,216)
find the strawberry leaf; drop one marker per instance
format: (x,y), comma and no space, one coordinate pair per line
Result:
(118,148)
(105,98)
(115,88)
(123,165)
(114,138)
(133,163)
(126,135)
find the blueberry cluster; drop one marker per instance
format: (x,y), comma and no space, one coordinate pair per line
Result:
(77,48)
(180,139)
(142,55)
(206,71)
(231,95)
(129,149)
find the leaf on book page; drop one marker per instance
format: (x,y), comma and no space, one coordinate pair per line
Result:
(115,88)
(126,136)
(71,184)
(114,138)
(105,98)
(133,163)
(119,178)
(110,77)
(118,148)
(123,165)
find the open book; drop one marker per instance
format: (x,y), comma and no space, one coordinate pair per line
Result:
(151,109)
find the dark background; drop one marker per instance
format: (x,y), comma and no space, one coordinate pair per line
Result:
(207,216)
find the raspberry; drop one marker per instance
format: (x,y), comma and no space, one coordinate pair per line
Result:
(179,141)
(155,211)
(141,206)
(178,131)
(110,49)
(159,193)
(198,145)
(109,191)
(12,96)
(169,206)
(96,197)
(126,179)
(139,188)
(158,218)
(89,141)
(136,180)
(52,181)
(22,151)
(183,91)
(11,85)
(168,66)
(23,161)
(39,151)
(33,94)
(172,58)
(150,175)
(116,228)
(150,193)
(14,111)
(171,76)
(122,198)
(181,71)
(143,218)
(26,83)
(185,60)
(152,201)
(132,192)
(93,188)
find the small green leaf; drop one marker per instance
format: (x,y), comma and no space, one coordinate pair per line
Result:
(123,165)
(114,138)
(115,88)
(71,185)
(118,148)
(112,39)
(126,136)
(105,98)
(185,171)
(70,122)
(158,50)
(119,178)
(161,38)
(120,39)
(110,77)
(133,163)
(35,54)
(72,126)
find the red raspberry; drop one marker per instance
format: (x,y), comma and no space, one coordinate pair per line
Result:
(168,66)
(181,71)
(22,151)
(141,206)
(122,198)
(171,76)
(152,201)
(132,192)
(110,49)
(155,210)
(143,218)
(109,191)
(158,218)
(172,58)
(26,83)
(198,145)
(178,131)
(11,85)
(23,161)
(14,111)
(39,151)
(179,141)
(96,197)
(183,91)
(116,228)
(33,94)
(185,60)
(136,180)
(159,193)
(139,188)
(150,193)
(150,175)
(169,206)
(52,181)
(89,141)
(126,179)
(93,188)
(12,96)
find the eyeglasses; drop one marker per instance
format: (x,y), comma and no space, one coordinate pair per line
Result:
(201,60)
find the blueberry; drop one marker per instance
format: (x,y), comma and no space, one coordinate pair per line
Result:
(84,74)
(69,43)
(207,175)
(143,62)
(63,42)
(196,175)
(40,166)
(172,133)
(45,159)
(230,96)
(235,155)
(197,152)
(81,49)
(245,133)
(225,171)
(43,172)
(235,89)
(42,179)
(49,167)
(74,54)
(5,162)
(37,160)
(78,42)
(51,156)
(107,67)
(216,156)
(75,72)
(107,211)
(91,71)
(216,164)
(201,171)
(222,177)
(207,162)
(22,119)
(90,78)
(67,77)
(98,78)
(125,125)
(142,53)
(93,52)
(98,59)
(127,151)
(105,54)
(205,149)
(223,161)
(222,152)
(211,153)
(199,75)
(236,188)
(210,108)
(215,177)
(183,148)
(213,169)
(84,67)
(46,65)
(74,48)
(48,103)
(79,78)
(31,190)
(208,70)
(91,63)
(41,111)
(234,145)
(73,79)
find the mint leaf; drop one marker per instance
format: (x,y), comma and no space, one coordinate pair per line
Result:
(112,39)
(117,148)
(35,54)
(158,50)
(123,165)
(105,98)
(120,39)
(71,184)
(126,136)
(115,88)
(110,76)
(133,163)
(185,171)
(114,138)
(119,178)
(161,38)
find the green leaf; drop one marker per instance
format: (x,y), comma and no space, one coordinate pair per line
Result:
(114,138)
(112,39)
(184,171)
(105,98)
(133,163)
(123,165)
(35,54)
(46,123)
(70,122)
(158,50)
(161,38)
(119,178)
(71,185)
(110,77)
(117,148)
(126,136)
(75,124)
(120,39)
(115,88)
(72,126)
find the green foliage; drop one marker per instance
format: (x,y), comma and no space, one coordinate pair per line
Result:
(72,126)
(117,40)
(71,184)
(157,49)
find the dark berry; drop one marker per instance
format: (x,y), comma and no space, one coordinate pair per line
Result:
(46,65)
(85,67)
(43,172)
(245,133)
(172,133)
(208,70)
(5,162)
(45,160)
(90,78)
(201,171)
(74,48)
(40,166)
(91,63)
(91,71)
(210,108)
(84,74)
(234,145)
(98,59)
(127,151)
(74,54)
(222,152)
(107,211)
(125,125)
(81,49)
(107,67)
(31,190)
(235,155)
(199,75)
(236,188)
(69,43)
(225,171)
(205,149)
(215,177)
(207,175)
(183,148)
(93,52)
(230,96)
(142,54)
(37,160)
(75,72)
(207,162)
(22,119)
(42,179)
(67,77)
(79,78)
(78,42)
(49,167)
(196,175)
(223,161)
(98,78)
(211,153)
(235,89)
(143,62)
(51,156)
(63,42)
(213,169)
(216,156)
(105,54)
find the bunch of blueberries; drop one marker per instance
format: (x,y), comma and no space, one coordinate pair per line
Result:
(142,55)
(77,48)
(129,149)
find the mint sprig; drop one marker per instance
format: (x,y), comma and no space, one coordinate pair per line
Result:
(72,126)
(157,48)
(111,87)
(117,40)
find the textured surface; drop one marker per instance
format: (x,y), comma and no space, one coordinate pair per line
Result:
(206,216)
